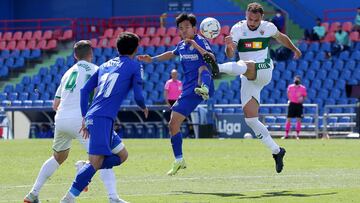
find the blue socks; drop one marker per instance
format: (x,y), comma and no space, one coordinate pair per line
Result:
(176,142)
(82,179)
(110,161)
(206,78)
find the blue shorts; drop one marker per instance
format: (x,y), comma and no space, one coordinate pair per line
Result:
(187,104)
(102,137)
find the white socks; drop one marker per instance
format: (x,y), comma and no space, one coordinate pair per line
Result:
(262,133)
(47,169)
(233,68)
(109,180)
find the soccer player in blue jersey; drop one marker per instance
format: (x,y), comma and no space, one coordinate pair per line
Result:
(99,117)
(198,84)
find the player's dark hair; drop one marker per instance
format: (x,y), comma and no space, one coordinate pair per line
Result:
(255,8)
(127,43)
(82,49)
(185,16)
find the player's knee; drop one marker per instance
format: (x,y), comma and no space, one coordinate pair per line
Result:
(173,127)
(60,157)
(123,154)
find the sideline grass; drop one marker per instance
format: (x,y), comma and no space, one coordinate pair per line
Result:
(218,171)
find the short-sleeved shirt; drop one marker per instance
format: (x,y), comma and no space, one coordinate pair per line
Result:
(174,89)
(295,92)
(191,61)
(357,20)
(319,30)
(253,44)
(69,89)
(342,38)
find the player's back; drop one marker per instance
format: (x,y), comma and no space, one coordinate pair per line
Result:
(114,85)
(69,89)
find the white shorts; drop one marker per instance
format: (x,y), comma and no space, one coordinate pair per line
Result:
(252,88)
(65,131)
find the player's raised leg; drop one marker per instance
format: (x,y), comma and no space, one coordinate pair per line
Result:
(204,81)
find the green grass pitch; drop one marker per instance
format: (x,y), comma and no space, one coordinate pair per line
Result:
(231,170)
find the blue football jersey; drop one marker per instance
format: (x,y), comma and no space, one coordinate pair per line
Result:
(114,80)
(191,60)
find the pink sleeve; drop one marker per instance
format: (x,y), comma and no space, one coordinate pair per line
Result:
(167,85)
(304,91)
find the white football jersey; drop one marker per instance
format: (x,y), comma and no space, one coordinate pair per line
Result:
(69,89)
(253,45)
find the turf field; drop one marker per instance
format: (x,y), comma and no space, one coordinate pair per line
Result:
(218,171)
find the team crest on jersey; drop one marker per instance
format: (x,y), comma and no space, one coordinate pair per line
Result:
(191,48)
(262,32)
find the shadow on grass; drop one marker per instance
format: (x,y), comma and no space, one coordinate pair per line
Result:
(220,194)
(286,194)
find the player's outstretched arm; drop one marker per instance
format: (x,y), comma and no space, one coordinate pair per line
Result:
(199,48)
(286,42)
(137,88)
(162,57)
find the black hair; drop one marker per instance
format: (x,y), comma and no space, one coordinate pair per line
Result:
(185,16)
(127,43)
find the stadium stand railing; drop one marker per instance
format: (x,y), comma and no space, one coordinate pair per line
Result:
(337,123)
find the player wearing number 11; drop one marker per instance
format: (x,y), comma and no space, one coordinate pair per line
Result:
(112,89)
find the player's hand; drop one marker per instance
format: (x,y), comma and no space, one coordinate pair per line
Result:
(229,42)
(146,112)
(297,53)
(84,130)
(146,58)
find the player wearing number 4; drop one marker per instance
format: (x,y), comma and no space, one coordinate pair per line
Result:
(113,88)
(195,53)
(68,122)
(250,38)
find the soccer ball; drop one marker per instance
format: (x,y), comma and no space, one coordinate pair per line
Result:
(210,28)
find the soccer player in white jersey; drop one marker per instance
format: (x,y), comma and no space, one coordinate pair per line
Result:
(68,122)
(250,38)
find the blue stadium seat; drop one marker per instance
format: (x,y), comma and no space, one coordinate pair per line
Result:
(13,96)
(276,110)
(16,103)
(323,94)
(4,71)
(5,54)
(328,84)
(281,85)
(355,55)
(15,53)
(35,54)
(281,119)
(303,47)
(315,65)
(97,52)
(286,74)
(264,110)
(310,75)
(38,103)
(129,130)
(311,93)
(26,53)
(303,65)
(19,87)
(316,84)
(34,96)
(280,66)
(335,93)
(10,62)
(23,96)
(27,103)
(309,56)
(3,96)
(276,75)
(327,65)
(151,131)
(26,80)
(314,46)
(325,46)
(338,64)
(333,74)
(270,119)
(344,55)
(150,50)
(160,50)
(321,56)
(350,65)
(229,110)
(321,74)
(345,74)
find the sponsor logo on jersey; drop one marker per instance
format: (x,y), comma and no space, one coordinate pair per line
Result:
(190,57)
(253,45)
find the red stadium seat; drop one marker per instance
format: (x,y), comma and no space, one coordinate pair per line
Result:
(155,41)
(354,36)
(334,26)
(225,30)
(11,45)
(118,31)
(68,35)
(219,40)
(130,29)
(31,44)
(17,35)
(37,35)
(150,32)
(93,42)
(51,45)
(347,26)
(27,35)
(103,43)
(2,45)
(165,41)
(330,37)
(140,31)
(48,34)
(41,44)
(57,33)
(160,32)
(175,41)
(112,42)
(21,45)
(145,41)
(7,36)
(326,25)
(172,32)
(108,33)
